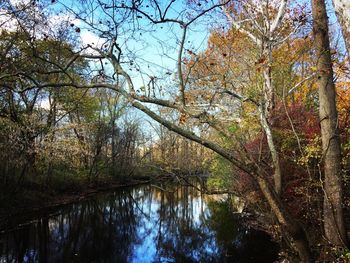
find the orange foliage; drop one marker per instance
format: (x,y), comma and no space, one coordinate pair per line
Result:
(343,104)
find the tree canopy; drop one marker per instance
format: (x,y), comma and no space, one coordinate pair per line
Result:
(255,92)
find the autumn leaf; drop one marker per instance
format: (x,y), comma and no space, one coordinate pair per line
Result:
(261,60)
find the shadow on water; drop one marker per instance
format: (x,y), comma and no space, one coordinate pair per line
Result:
(141,224)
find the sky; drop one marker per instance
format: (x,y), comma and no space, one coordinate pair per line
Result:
(157,58)
(154,53)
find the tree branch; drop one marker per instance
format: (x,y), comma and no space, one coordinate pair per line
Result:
(279,17)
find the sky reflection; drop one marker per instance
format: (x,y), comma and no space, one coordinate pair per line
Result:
(142,224)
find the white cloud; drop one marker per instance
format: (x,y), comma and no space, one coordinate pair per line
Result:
(8,23)
(89,38)
(7,17)
(44,104)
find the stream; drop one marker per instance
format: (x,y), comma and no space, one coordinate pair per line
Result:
(140,224)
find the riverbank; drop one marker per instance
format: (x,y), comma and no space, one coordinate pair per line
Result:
(32,202)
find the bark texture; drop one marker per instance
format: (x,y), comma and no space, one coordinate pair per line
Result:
(342,9)
(265,116)
(277,177)
(333,212)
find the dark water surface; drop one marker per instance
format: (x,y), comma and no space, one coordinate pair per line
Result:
(140,224)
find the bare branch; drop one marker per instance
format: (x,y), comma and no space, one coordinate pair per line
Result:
(179,66)
(300,83)
(190,135)
(278,19)
(240,97)
(238,26)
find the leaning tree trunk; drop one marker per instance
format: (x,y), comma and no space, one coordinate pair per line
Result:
(342,9)
(333,213)
(292,228)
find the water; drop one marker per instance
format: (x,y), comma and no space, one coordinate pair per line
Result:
(140,224)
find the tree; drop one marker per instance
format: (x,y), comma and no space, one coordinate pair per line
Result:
(52,130)
(140,20)
(331,155)
(148,53)
(265,23)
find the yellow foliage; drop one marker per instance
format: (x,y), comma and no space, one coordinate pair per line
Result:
(312,152)
(343,99)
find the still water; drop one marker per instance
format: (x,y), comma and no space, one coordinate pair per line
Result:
(140,224)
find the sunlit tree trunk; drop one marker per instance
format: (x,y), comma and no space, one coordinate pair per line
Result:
(264,39)
(333,213)
(277,177)
(265,116)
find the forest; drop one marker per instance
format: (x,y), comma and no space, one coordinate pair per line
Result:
(252,95)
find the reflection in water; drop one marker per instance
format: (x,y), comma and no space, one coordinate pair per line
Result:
(142,224)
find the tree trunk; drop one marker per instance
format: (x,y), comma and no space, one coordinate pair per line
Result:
(292,228)
(265,115)
(51,124)
(113,145)
(277,177)
(333,212)
(269,89)
(342,10)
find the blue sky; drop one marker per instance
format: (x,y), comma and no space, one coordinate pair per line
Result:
(155,51)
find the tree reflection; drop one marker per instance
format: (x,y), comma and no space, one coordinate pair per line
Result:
(142,224)
(98,230)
